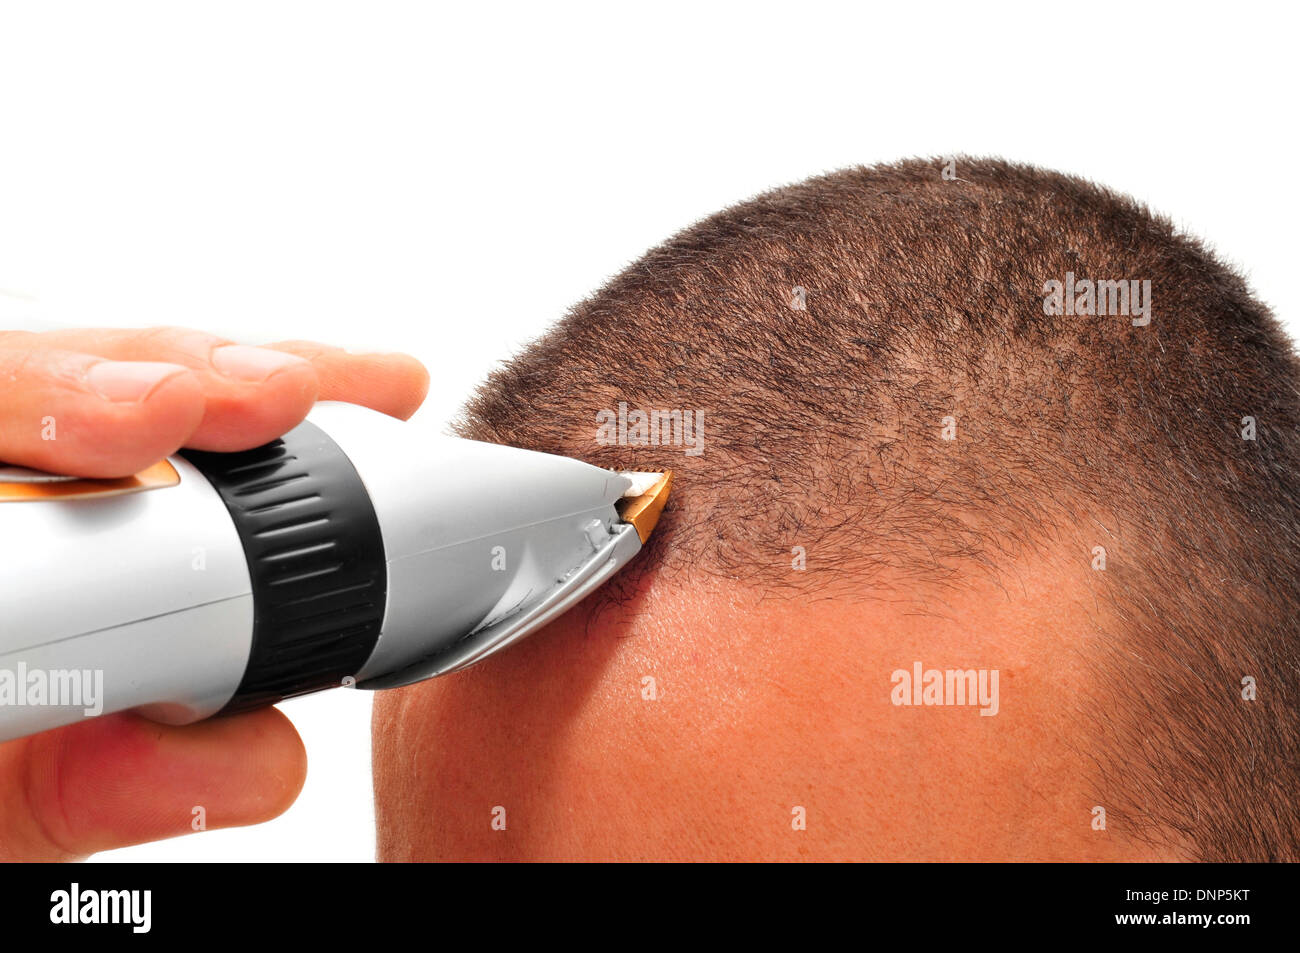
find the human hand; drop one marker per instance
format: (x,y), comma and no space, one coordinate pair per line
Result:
(122,400)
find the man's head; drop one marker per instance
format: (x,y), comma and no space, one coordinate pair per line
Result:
(1008,424)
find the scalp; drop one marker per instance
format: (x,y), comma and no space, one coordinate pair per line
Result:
(924,304)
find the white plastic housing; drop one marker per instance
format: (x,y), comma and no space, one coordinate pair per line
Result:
(145,595)
(146,598)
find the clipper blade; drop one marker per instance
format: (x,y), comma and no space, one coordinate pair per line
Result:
(644,500)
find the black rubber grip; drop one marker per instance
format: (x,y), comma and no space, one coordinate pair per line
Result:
(316,559)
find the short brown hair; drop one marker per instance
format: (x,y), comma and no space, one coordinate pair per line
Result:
(924,298)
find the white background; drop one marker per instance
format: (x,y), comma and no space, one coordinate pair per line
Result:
(391,176)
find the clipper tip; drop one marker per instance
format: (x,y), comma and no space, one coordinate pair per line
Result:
(644,500)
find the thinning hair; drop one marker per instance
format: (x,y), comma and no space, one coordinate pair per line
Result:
(837,331)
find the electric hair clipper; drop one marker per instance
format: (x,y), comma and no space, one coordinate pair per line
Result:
(354,550)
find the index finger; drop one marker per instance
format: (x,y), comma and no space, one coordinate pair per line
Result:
(394,384)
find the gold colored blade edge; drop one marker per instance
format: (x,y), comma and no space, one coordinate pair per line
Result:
(158,476)
(643,511)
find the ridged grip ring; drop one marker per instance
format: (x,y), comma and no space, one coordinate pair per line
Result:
(315,557)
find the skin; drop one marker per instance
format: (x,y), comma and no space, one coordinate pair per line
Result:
(764,704)
(124,399)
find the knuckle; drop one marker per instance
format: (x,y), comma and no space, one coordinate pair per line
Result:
(176,343)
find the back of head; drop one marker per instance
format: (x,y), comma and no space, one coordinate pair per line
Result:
(903,386)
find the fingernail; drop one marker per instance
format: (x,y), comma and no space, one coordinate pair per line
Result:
(126,381)
(252,364)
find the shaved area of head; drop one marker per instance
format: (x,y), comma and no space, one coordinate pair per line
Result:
(909,452)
